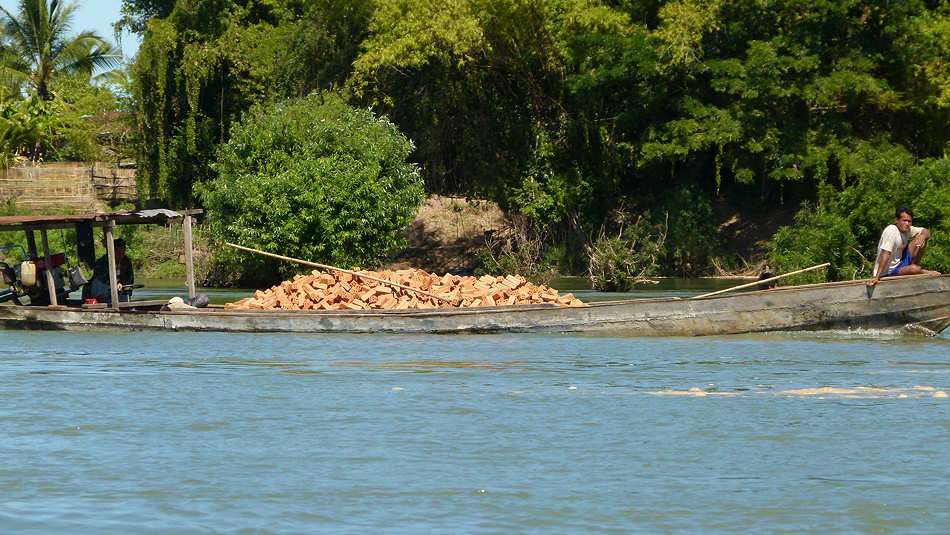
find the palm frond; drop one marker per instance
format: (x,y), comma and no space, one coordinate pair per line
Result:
(86,53)
(117,77)
(38,45)
(20,35)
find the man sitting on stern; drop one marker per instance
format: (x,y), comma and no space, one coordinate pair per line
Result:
(900,248)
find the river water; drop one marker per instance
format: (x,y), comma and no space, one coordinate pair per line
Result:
(529,433)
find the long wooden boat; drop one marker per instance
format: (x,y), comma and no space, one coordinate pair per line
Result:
(920,303)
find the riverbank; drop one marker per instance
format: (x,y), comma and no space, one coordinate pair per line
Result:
(446,236)
(449,231)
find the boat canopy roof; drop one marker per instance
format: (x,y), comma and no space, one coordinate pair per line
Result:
(99,219)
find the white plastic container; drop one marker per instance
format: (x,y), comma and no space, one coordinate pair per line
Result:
(28,273)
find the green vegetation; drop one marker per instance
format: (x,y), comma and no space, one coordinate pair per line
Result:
(206,63)
(568,111)
(619,262)
(25,128)
(312,178)
(578,116)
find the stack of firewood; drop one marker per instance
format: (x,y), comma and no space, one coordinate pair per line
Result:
(323,290)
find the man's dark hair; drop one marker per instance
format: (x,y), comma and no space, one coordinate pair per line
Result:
(767,285)
(119,242)
(903,210)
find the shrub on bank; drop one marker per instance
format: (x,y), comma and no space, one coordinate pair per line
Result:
(312,178)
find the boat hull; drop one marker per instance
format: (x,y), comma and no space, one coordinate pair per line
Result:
(919,302)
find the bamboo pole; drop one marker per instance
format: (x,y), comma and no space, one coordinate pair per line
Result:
(324,266)
(756,283)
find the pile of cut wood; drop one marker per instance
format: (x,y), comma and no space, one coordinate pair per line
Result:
(322,290)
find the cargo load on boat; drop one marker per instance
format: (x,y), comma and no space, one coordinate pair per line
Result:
(323,290)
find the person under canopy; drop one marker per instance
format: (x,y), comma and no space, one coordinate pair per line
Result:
(98,287)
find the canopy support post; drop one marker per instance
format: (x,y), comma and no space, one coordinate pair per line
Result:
(31,244)
(113,278)
(50,285)
(189,257)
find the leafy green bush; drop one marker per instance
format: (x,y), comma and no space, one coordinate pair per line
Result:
(83,123)
(26,129)
(95,123)
(315,179)
(817,237)
(846,225)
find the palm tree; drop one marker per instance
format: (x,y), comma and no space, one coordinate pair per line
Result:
(36,47)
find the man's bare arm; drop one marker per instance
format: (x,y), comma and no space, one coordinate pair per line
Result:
(918,245)
(885,258)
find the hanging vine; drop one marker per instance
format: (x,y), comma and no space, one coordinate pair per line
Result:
(196,72)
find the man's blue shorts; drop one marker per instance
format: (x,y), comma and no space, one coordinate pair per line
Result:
(905,261)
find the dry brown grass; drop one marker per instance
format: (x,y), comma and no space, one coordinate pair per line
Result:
(447,232)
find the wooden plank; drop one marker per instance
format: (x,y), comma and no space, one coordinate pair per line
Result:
(113,278)
(50,285)
(189,258)
(151,304)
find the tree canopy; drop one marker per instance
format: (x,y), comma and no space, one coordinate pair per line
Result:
(569,111)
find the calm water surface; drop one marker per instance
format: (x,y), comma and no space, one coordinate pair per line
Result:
(279,433)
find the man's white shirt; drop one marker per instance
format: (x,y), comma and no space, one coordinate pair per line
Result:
(894,241)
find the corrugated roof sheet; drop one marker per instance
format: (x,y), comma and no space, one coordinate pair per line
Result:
(122,217)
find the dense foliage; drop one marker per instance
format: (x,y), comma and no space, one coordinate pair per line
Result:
(316,179)
(25,126)
(619,262)
(568,110)
(208,62)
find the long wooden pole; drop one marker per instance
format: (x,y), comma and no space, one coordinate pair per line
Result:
(189,256)
(113,277)
(756,283)
(324,266)
(50,285)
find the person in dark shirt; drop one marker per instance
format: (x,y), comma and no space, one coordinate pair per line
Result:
(99,285)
